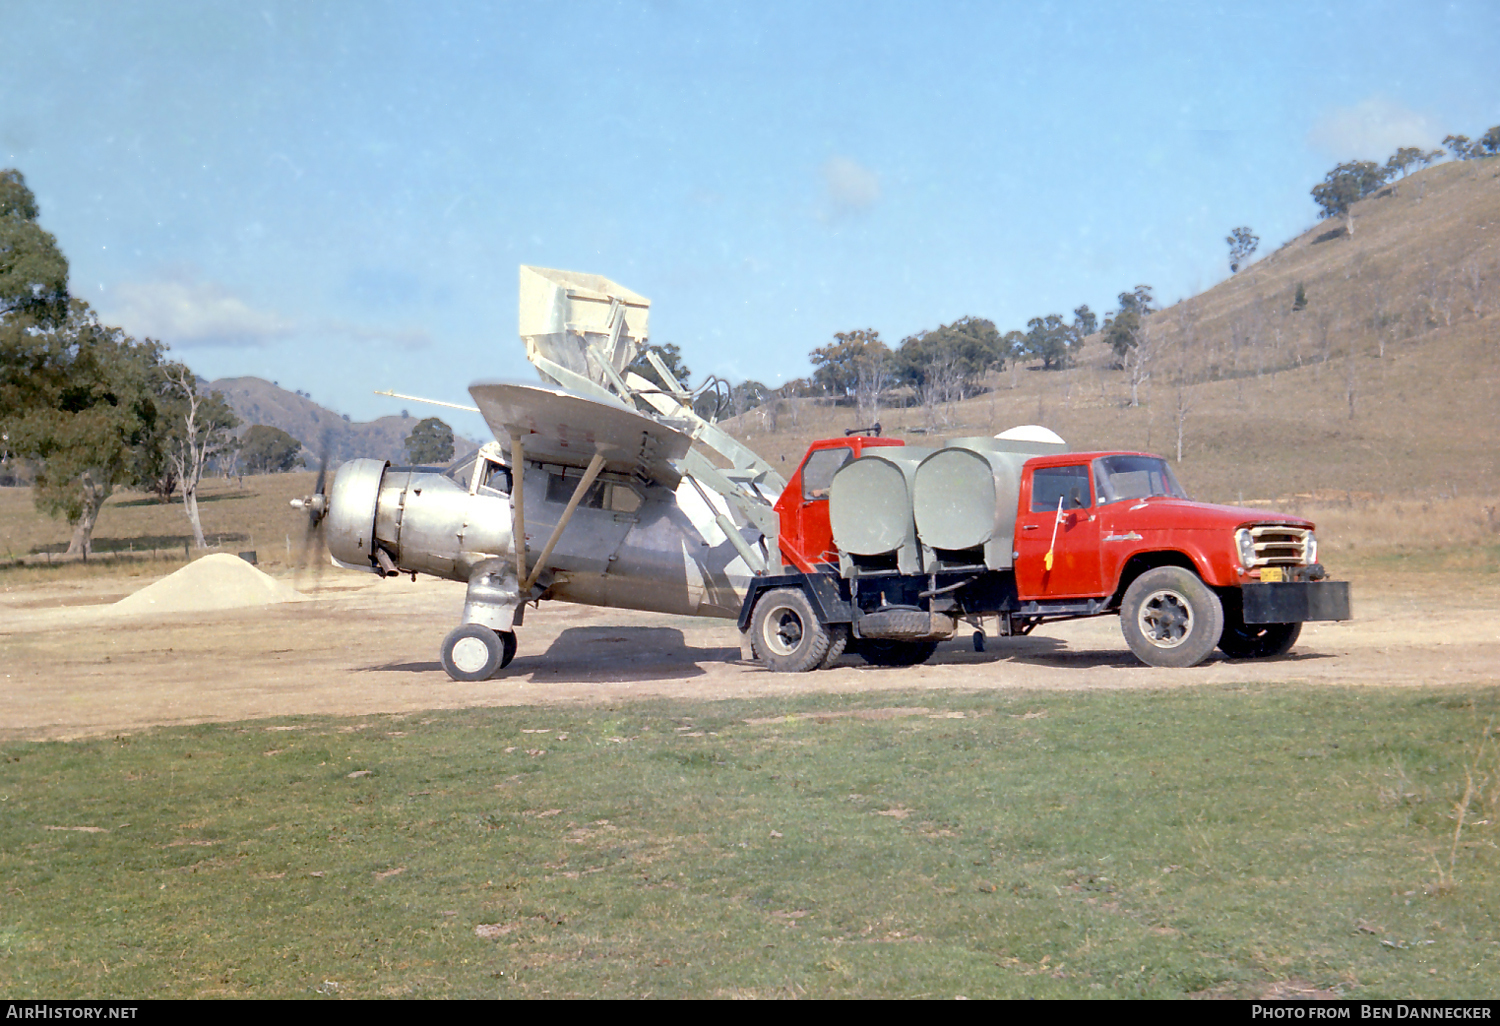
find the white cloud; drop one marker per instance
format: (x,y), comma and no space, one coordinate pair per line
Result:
(185,311)
(1372,129)
(849,186)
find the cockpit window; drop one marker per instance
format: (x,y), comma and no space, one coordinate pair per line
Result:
(497,477)
(605,494)
(1119,478)
(462,470)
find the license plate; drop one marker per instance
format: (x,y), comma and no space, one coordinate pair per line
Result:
(1272,575)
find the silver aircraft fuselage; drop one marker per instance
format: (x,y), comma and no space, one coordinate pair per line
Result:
(628,544)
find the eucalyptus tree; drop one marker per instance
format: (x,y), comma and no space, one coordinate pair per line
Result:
(1345,185)
(1242,245)
(430,442)
(199,429)
(77,397)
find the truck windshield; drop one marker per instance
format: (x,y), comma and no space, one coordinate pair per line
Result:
(1117,478)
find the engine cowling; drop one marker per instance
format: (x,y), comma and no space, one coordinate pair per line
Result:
(349,527)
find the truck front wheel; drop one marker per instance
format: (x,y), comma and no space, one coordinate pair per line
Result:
(786,634)
(1170,618)
(1258,640)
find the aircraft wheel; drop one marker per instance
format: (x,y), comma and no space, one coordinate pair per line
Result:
(507,646)
(1170,618)
(475,652)
(786,634)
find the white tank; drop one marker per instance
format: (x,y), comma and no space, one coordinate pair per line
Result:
(964,496)
(869,506)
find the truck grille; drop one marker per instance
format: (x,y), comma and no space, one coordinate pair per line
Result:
(1279,545)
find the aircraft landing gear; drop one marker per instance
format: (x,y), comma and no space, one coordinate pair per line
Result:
(476,652)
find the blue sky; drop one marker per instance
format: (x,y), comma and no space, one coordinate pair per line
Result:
(336,196)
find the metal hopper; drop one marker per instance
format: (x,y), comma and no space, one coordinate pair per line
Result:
(581,330)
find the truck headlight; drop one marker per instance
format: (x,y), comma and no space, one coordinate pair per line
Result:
(1311,552)
(1246,546)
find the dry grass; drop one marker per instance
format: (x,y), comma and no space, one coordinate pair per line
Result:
(252,514)
(1246,441)
(1462,528)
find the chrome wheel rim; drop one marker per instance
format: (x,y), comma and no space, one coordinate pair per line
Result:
(1165,619)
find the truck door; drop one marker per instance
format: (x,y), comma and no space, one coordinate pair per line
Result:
(1058,512)
(806,537)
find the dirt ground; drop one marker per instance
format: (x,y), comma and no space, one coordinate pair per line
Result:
(73,668)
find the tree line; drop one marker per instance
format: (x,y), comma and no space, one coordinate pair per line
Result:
(1354,180)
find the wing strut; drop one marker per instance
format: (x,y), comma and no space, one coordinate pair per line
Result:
(518,503)
(595,465)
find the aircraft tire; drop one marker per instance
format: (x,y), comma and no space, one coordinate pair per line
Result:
(507,647)
(786,634)
(473,652)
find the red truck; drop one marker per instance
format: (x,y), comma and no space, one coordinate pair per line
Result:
(885,549)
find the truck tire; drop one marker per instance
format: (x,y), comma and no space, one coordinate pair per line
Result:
(786,634)
(1170,618)
(881,652)
(838,642)
(1258,640)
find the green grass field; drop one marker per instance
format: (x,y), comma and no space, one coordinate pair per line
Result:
(1105,844)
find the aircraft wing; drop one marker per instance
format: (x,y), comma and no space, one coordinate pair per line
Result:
(559,427)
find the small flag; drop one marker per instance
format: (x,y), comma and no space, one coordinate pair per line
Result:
(1047,563)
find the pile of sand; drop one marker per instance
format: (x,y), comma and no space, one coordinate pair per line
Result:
(219,581)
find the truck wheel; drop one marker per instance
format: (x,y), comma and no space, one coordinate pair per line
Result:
(838,643)
(881,652)
(475,652)
(1258,640)
(1170,618)
(786,634)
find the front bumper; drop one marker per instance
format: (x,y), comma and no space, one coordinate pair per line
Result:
(1296,601)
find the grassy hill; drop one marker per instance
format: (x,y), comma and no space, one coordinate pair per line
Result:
(1386,384)
(257,401)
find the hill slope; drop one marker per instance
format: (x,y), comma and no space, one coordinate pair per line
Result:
(1387,383)
(257,401)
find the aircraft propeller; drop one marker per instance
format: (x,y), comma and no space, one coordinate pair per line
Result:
(312,548)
